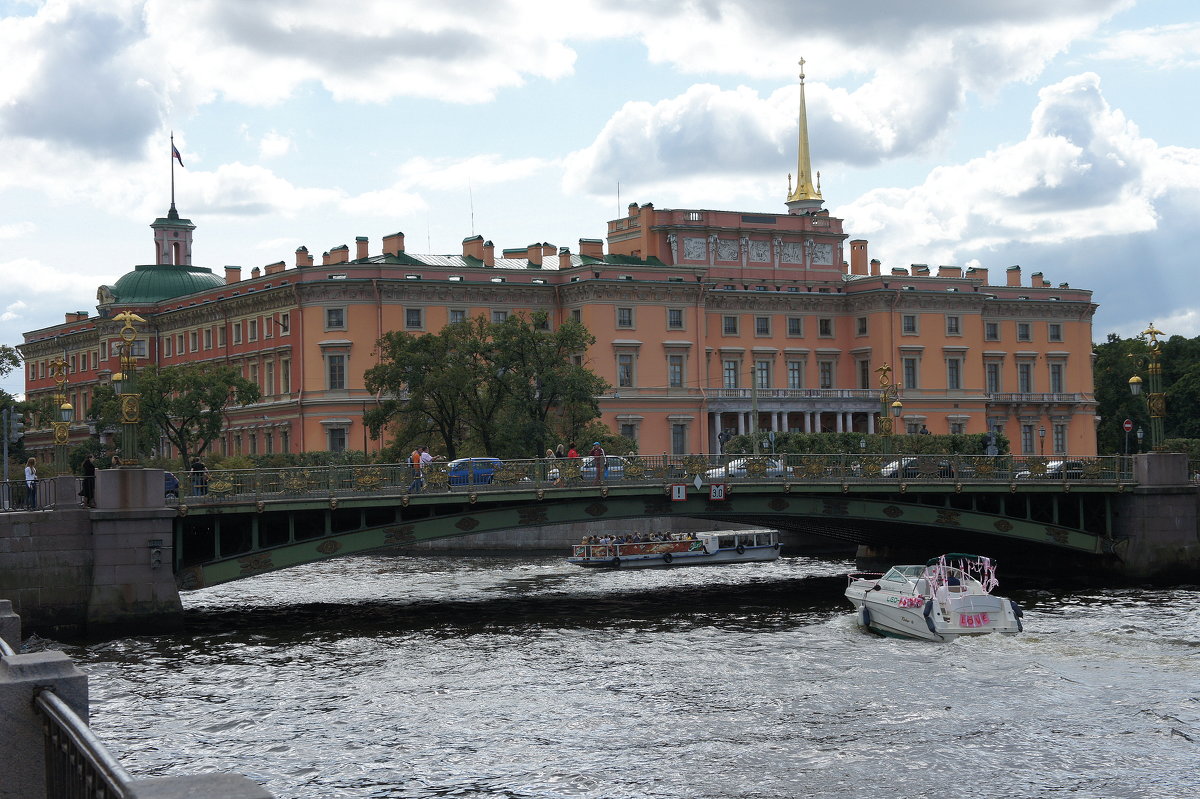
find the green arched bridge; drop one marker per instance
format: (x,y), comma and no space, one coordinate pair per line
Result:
(236,524)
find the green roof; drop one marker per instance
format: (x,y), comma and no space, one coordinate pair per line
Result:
(155,282)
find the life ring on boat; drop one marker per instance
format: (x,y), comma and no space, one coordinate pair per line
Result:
(741,549)
(616,563)
(776,545)
(666,557)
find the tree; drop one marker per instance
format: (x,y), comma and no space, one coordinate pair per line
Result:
(185,403)
(484,387)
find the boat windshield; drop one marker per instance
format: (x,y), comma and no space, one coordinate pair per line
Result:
(903,574)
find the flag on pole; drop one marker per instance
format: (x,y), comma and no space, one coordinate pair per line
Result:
(175,154)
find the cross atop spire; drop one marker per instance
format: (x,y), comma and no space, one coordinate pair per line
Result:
(806,196)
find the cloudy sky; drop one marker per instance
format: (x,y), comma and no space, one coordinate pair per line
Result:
(1061,136)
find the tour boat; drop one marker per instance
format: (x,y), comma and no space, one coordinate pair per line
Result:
(948,597)
(702,549)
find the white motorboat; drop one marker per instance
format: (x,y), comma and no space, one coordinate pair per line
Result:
(698,550)
(948,597)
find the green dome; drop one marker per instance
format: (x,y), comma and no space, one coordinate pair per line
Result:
(155,282)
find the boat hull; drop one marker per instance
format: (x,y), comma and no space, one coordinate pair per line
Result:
(880,612)
(708,550)
(649,561)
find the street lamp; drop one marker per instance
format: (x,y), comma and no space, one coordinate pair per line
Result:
(889,401)
(1156,400)
(1140,434)
(125,385)
(1042,440)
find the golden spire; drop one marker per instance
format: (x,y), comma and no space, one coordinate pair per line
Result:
(806,195)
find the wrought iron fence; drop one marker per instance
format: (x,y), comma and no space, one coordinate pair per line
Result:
(484,475)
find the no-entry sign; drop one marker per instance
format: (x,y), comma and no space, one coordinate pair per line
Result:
(1128,425)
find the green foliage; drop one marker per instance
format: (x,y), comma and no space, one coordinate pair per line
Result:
(185,403)
(832,443)
(1119,359)
(507,389)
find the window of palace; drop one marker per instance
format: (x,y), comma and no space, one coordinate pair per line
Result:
(1023,332)
(991,331)
(1025,378)
(413,319)
(953,326)
(729,373)
(908,324)
(1054,332)
(953,374)
(825,373)
(729,325)
(1057,371)
(825,328)
(457,315)
(762,374)
(335,371)
(499,317)
(992,375)
(795,374)
(675,319)
(675,376)
(625,374)
(762,326)
(860,326)
(795,326)
(625,317)
(335,319)
(285,323)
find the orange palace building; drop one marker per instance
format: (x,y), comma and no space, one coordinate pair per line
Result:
(701,317)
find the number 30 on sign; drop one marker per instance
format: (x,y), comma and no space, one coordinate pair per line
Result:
(716,492)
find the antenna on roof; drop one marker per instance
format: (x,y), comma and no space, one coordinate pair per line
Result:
(618,199)
(471,195)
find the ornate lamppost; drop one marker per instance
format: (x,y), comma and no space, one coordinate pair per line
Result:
(889,405)
(1042,440)
(125,385)
(1156,400)
(64,413)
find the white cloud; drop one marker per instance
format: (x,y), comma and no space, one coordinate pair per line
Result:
(1166,46)
(274,145)
(12,311)
(16,230)
(1082,178)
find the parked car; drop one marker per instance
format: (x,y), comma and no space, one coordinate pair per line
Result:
(171,485)
(473,471)
(614,468)
(910,468)
(737,468)
(1055,470)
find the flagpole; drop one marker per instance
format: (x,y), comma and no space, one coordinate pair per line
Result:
(172,156)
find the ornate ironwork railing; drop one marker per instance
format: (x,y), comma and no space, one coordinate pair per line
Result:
(492,475)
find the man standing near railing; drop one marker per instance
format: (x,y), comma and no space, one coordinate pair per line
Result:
(420,457)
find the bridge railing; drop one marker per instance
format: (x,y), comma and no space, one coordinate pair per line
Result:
(221,486)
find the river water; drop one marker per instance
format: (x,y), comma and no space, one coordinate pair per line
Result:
(524,677)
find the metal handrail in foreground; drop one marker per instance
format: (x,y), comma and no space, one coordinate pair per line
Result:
(78,764)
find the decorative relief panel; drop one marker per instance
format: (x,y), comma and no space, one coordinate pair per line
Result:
(695,249)
(727,249)
(823,254)
(792,254)
(760,251)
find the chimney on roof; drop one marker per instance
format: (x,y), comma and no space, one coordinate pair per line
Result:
(875,266)
(489,253)
(949,271)
(858,257)
(1014,275)
(548,249)
(232,274)
(592,248)
(564,257)
(303,257)
(1038,281)
(340,254)
(255,273)
(360,244)
(271,269)
(977,273)
(534,254)
(633,210)
(393,244)
(473,248)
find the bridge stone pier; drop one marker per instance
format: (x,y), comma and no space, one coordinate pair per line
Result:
(72,571)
